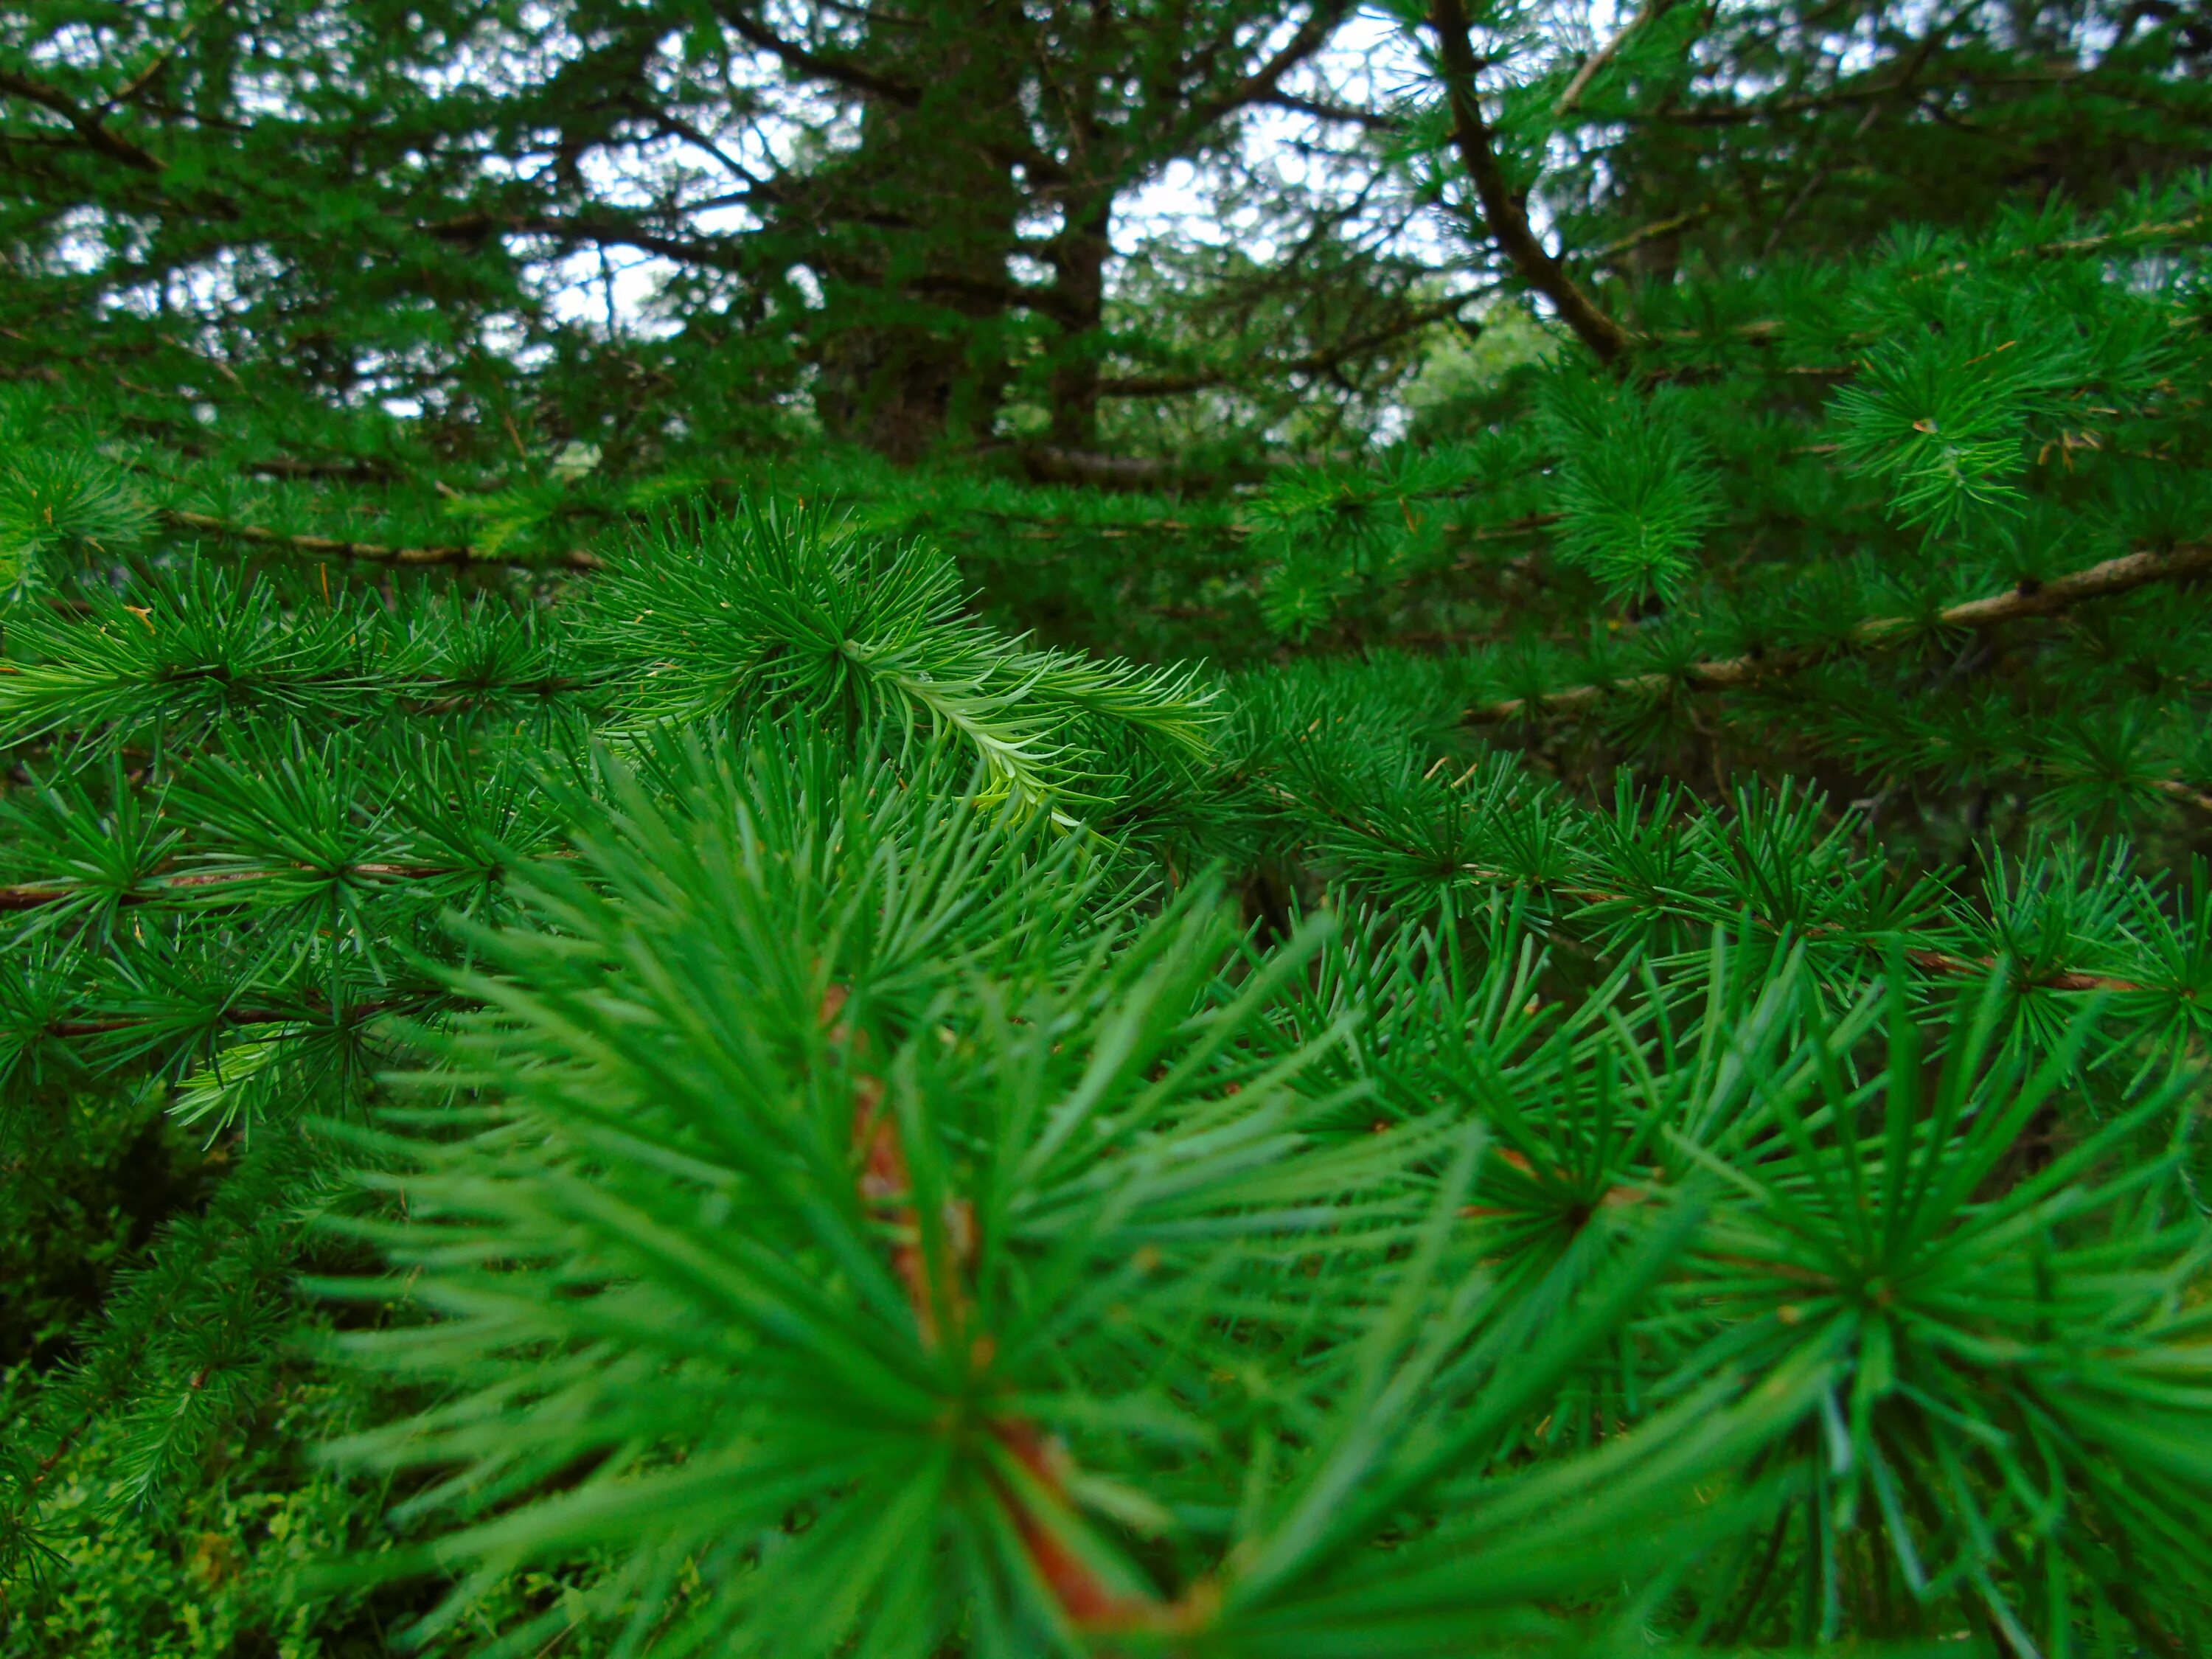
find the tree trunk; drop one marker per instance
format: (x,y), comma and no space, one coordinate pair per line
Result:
(1080,256)
(910,348)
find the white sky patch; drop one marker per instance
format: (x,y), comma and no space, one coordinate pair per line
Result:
(1370,65)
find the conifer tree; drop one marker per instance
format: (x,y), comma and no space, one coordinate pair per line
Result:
(1577,1024)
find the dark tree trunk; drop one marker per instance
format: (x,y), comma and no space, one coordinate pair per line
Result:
(911,352)
(1080,258)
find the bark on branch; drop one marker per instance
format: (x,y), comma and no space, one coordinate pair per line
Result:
(1501,210)
(91,131)
(1315,363)
(183,886)
(2113,576)
(576,558)
(1260,86)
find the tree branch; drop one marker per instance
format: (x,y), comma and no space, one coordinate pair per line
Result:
(249,1016)
(2113,576)
(602,232)
(1502,210)
(1714,115)
(167,888)
(1318,363)
(844,72)
(1594,64)
(841,70)
(576,558)
(90,130)
(1373,120)
(1258,87)
(1651,232)
(1945,963)
(2187,793)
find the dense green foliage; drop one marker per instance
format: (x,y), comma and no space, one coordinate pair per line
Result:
(1465,912)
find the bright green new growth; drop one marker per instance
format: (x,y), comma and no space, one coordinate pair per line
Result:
(1635,498)
(770,615)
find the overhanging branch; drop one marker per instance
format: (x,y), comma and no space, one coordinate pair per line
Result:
(1501,210)
(91,131)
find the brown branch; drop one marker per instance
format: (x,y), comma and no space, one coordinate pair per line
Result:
(1040,165)
(792,55)
(1767,328)
(1594,64)
(1501,210)
(576,558)
(944,1313)
(474,227)
(1734,114)
(1945,963)
(1958,967)
(1650,233)
(1317,362)
(76,1028)
(2113,576)
(287,466)
(1116,532)
(2166,231)
(146,78)
(2187,793)
(1260,86)
(1050,463)
(1372,120)
(34,896)
(90,130)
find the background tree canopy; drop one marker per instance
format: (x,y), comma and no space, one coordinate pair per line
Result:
(1191,827)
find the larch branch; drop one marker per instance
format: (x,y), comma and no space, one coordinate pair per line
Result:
(1501,210)
(1594,64)
(95,135)
(576,558)
(2113,576)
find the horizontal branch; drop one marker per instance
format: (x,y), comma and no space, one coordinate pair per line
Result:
(2062,979)
(1928,960)
(2187,793)
(576,558)
(1264,83)
(1503,211)
(1050,463)
(36,896)
(475,228)
(1709,115)
(839,70)
(2113,576)
(90,130)
(1372,120)
(2112,241)
(1314,363)
(353,1010)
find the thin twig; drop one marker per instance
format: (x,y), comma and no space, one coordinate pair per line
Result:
(1594,64)
(2187,793)
(36,896)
